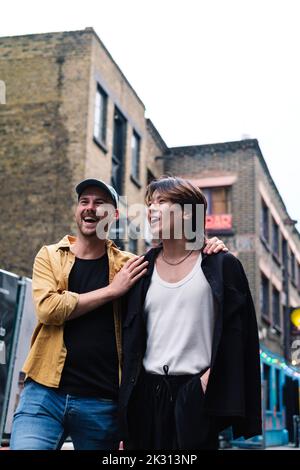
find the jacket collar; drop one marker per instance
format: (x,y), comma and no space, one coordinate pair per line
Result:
(65,242)
(152,254)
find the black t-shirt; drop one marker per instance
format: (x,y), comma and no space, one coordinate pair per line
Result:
(91,366)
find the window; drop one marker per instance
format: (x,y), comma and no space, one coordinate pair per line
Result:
(275,238)
(284,252)
(119,148)
(276,307)
(267,380)
(293,267)
(135,156)
(264,221)
(278,388)
(264,296)
(100,115)
(217,200)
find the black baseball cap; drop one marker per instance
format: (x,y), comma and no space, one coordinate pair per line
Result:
(100,184)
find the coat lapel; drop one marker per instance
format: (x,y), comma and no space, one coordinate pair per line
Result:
(211,266)
(139,291)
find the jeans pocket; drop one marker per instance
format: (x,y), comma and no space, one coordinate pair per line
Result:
(33,398)
(107,400)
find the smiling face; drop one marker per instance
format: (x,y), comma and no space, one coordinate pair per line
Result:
(88,212)
(162,216)
(176,210)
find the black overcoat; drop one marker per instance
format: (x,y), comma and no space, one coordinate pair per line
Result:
(233,394)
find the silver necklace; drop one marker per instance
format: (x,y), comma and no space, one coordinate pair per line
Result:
(177,262)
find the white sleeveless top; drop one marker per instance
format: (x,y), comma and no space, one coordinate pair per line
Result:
(180,323)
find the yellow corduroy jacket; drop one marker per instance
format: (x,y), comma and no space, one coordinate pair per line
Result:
(54,304)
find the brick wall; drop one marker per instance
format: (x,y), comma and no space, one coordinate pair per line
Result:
(46,132)
(42,132)
(267,190)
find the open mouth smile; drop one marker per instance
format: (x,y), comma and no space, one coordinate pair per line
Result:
(90,220)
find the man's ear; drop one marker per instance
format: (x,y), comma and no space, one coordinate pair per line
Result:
(117,214)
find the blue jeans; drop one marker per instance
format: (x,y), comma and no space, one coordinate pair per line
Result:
(45,417)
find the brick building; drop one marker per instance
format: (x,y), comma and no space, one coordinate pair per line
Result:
(70,114)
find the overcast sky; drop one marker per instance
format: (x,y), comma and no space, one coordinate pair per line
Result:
(207,71)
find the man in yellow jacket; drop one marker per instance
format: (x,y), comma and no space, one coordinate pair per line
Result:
(74,364)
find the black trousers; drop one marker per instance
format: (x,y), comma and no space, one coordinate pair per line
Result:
(166,413)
